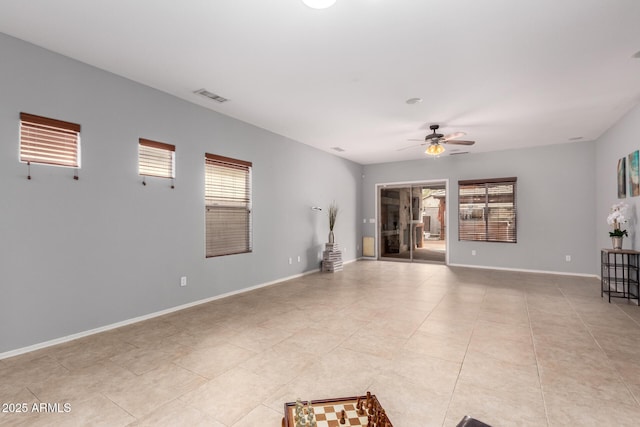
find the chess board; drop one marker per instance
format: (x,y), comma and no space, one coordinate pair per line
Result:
(327,412)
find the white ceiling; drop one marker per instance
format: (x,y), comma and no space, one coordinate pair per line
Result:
(510,73)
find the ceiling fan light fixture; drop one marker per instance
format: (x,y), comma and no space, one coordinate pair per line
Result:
(434,150)
(319,4)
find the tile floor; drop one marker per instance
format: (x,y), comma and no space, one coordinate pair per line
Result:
(433,343)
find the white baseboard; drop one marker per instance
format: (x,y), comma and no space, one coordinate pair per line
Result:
(522,270)
(109,327)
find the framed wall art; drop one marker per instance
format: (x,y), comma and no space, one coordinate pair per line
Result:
(622,178)
(634,173)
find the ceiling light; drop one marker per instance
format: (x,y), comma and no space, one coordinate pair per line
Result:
(319,4)
(413,100)
(435,149)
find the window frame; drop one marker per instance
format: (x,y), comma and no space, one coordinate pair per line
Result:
(155,145)
(59,144)
(227,201)
(498,223)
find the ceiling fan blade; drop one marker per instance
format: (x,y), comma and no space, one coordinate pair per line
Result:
(453,136)
(411,146)
(460,142)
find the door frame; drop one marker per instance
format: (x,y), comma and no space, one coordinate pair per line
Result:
(426,182)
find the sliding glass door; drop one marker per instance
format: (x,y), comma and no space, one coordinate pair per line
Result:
(412,222)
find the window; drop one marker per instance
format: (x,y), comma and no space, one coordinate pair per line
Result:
(227,206)
(49,141)
(156,159)
(487,210)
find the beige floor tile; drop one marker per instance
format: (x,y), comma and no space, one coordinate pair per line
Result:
(447,348)
(97,410)
(173,379)
(140,360)
(497,407)
(311,341)
(261,416)
(456,328)
(409,404)
(603,384)
(32,371)
(488,330)
(203,338)
(278,368)
(176,414)
(484,371)
(77,355)
(563,411)
(258,339)
(514,352)
(434,374)
(374,342)
(520,317)
(433,342)
(213,361)
(139,398)
(292,321)
(230,396)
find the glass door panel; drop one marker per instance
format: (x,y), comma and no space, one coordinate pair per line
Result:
(412,222)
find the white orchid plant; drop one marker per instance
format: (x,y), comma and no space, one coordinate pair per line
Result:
(617,217)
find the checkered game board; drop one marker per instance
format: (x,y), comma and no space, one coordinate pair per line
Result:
(327,412)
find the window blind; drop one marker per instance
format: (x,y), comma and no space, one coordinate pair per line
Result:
(49,141)
(156,159)
(487,210)
(227,205)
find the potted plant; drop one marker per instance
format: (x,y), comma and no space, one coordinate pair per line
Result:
(616,218)
(333,214)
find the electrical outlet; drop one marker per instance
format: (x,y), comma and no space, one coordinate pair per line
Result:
(290,261)
(473,252)
(364,220)
(298,258)
(567,258)
(183,281)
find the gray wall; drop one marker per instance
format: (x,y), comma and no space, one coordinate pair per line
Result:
(622,139)
(555,204)
(78,255)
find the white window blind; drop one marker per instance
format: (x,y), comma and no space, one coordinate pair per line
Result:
(156,159)
(228,206)
(487,210)
(49,141)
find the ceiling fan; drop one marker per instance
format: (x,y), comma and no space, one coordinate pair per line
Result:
(435,139)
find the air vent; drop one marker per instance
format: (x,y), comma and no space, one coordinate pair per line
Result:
(337,149)
(459,152)
(211,95)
